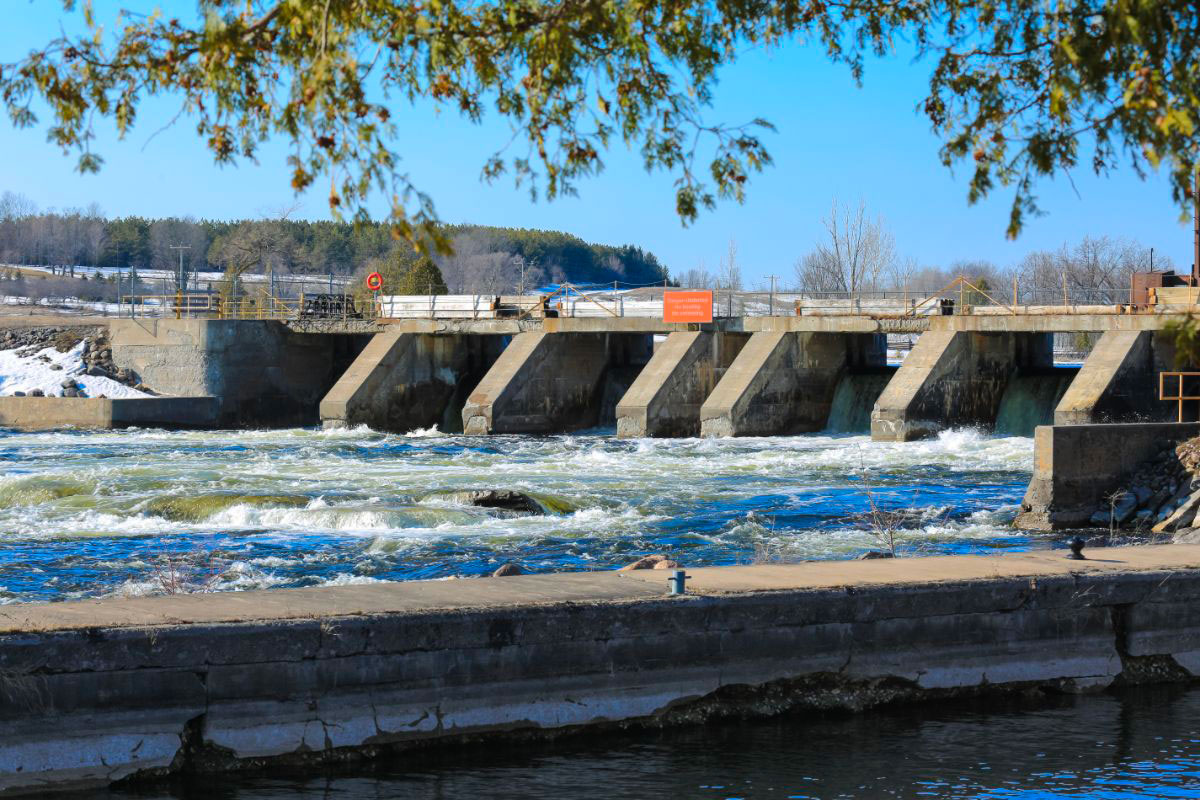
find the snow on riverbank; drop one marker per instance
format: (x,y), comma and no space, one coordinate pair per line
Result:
(20,373)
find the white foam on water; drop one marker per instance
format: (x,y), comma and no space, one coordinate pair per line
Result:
(360,494)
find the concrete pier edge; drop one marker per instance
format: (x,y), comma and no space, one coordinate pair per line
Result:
(104,690)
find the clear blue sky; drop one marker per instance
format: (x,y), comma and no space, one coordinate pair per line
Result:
(832,140)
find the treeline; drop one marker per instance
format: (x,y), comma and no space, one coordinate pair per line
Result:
(485,259)
(857,256)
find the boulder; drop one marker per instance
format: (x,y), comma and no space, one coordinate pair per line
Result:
(18,394)
(1124,507)
(70,391)
(37,393)
(508,569)
(97,371)
(503,499)
(667,563)
(645,562)
(1186,536)
(1181,517)
(1143,494)
(873,554)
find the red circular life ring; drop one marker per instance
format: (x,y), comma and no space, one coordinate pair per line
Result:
(374,281)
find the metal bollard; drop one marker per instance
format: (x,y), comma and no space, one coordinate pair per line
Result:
(1076,546)
(676,584)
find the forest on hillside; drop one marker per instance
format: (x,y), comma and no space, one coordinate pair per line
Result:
(485,260)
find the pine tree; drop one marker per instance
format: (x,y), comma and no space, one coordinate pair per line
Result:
(423,277)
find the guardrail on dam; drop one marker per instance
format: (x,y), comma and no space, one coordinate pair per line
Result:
(93,692)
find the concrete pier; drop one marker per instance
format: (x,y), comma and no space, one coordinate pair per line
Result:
(783,382)
(1119,381)
(555,382)
(404,381)
(97,691)
(955,378)
(666,397)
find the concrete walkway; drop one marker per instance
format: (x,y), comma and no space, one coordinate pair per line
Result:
(578,587)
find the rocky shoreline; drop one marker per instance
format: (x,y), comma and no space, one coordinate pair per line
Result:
(1162,497)
(96,353)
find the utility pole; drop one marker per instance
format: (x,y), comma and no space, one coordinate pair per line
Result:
(180,248)
(771,296)
(179,287)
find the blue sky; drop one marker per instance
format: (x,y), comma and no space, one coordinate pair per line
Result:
(832,140)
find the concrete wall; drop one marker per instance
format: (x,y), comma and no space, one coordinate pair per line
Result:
(784,382)
(555,382)
(53,413)
(1075,467)
(405,381)
(263,373)
(954,378)
(1119,381)
(665,399)
(96,691)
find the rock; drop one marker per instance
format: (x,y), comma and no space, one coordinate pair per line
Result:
(1123,507)
(68,383)
(1181,517)
(18,394)
(645,562)
(508,569)
(56,367)
(873,554)
(667,563)
(1186,536)
(97,371)
(1143,494)
(37,393)
(503,499)
(70,391)
(1101,519)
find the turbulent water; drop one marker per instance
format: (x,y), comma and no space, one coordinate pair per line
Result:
(93,514)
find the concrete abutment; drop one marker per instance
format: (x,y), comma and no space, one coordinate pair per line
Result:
(405,381)
(784,382)
(1118,381)
(665,399)
(955,378)
(556,382)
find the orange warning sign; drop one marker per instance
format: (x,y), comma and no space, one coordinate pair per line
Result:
(687,306)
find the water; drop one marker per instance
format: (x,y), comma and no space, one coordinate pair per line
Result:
(1138,744)
(853,399)
(127,513)
(1030,400)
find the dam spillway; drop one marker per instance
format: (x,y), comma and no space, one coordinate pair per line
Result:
(751,376)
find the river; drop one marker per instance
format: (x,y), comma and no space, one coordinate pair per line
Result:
(137,512)
(1137,744)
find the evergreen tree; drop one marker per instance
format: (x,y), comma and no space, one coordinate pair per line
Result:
(421,277)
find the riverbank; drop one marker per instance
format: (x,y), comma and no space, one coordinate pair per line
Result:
(97,691)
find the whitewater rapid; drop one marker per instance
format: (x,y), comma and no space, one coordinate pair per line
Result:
(94,514)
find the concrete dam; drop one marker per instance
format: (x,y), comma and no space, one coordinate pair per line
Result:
(739,376)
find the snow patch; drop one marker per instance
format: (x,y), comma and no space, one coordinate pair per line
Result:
(20,373)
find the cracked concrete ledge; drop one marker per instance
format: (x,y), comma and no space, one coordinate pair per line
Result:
(101,691)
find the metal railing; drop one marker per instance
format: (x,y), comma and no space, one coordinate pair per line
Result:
(1179,396)
(202,305)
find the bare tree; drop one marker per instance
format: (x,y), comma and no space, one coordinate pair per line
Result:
(698,277)
(857,252)
(730,276)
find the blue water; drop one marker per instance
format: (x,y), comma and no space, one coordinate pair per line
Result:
(1139,745)
(137,512)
